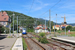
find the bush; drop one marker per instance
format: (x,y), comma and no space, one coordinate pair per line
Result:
(7,30)
(44,40)
(69,28)
(2,30)
(53,29)
(39,39)
(59,31)
(42,34)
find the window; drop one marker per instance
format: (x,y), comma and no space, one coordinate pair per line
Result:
(4,18)
(2,15)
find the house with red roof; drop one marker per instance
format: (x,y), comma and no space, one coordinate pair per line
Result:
(59,27)
(4,18)
(41,28)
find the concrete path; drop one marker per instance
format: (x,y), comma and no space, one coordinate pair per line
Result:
(68,39)
(6,43)
(18,44)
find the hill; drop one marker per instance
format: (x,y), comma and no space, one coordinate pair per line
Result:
(23,20)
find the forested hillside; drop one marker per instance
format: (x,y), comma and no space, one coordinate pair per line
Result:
(23,20)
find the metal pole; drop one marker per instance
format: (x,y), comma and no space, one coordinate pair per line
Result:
(13,23)
(10,26)
(17,26)
(50,21)
(65,30)
(56,19)
(5,30)
(10,29)
(54,29)
(45,25)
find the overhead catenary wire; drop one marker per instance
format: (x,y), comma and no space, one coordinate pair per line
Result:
(50,8)
(31,7)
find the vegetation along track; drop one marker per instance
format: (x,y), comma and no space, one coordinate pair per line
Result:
(32,45)
(58,44)
(62,45)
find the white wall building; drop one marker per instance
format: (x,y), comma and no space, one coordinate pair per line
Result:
(41,28)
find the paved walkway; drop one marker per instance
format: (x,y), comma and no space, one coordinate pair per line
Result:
(6,43)
(18,44)
(69,39)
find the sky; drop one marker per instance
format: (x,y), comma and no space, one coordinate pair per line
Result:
(60,7)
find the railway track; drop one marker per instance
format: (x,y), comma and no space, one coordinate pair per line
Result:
(62,45)
(58,44)
(32,45)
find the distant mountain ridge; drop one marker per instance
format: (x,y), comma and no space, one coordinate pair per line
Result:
(43,22)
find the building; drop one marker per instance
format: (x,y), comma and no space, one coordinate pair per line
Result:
(40,28)
(59,27)
(4,18)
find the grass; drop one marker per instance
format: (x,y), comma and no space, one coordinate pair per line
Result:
(72,35)
(9,37)
(24,44)
(37,38)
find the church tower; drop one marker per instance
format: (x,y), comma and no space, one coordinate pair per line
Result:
(65,20)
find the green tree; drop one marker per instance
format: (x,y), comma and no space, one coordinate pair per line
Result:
(69,27)
(52,23)
(2,30)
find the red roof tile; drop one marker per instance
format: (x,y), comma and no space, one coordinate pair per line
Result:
(41,27)
(3,16)
(57,25)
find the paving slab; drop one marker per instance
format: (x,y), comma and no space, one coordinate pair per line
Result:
(69,39)
(7,43)
(18,44)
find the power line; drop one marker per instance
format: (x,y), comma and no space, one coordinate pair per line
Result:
(31,7)
(50,8)
(55,4)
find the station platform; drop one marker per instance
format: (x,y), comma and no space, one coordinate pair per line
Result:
(70,40)
(18,44)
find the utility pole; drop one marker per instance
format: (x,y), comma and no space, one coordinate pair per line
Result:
(54,25)
(13,23)
(54,29)
(36,22)
(10,26)
(56,19)
(64,23)
(50,21)
(17,26)
(45,25)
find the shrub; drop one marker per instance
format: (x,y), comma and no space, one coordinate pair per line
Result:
(42,34)
(44,40)
(2,29)
(59,31)
(68,27)
(7,30)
